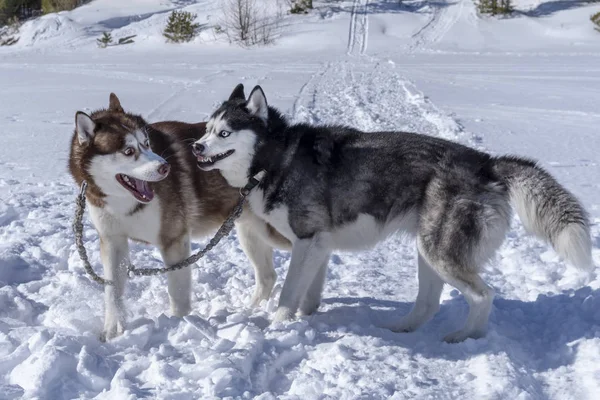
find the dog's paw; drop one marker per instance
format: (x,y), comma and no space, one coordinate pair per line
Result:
(309,308)
(283,314)
(180,310)
(255,302)
(462,335)
(257,299)
(112,331)
(403,326)
(262,291)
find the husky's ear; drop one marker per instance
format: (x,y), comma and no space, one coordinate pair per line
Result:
(114,104)
(84,125)
(257,103)
(238,93)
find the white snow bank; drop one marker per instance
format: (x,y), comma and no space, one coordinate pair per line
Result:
(49,29)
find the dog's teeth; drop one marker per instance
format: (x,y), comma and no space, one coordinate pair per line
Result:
(208,159)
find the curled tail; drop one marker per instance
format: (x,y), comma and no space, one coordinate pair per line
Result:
(547,209)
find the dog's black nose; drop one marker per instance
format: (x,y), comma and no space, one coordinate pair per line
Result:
(164,169)
(199,148)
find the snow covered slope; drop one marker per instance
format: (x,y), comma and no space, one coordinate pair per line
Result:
(528,84)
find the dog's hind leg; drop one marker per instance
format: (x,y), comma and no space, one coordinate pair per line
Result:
(479,296)
(308,255)
(252,233)
(114,252)
(466,279)
(312,300)
(180,281)
(458,234)
(428,299)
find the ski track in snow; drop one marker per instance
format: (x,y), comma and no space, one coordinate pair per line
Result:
(359,28)
(444,15)
(543,339)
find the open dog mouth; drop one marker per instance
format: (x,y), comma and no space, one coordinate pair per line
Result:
(208,161)
(139,189)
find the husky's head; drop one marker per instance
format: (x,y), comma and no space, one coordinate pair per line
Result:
(232,133)
(111,151)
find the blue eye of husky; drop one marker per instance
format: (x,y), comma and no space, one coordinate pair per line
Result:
(224,134)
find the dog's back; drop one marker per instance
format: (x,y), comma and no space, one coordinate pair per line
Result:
(343,173)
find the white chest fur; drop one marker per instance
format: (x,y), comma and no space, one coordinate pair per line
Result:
(277,217)
(143,225)
(364,232)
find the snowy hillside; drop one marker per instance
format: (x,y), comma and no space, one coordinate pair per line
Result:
(527,84)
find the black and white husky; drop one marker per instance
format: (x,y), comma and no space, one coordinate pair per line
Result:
(334,187)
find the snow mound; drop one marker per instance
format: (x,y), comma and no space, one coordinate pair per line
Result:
(7,214)
(49,28)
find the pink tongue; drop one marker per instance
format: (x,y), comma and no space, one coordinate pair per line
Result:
(144,188)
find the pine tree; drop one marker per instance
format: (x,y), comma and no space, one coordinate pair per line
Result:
(596,20)
(181,27)
(495,7)
(51,6)
(505,7)
(301,6)
(105,40)
(9,32)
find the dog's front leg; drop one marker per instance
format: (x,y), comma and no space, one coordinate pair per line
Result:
(252,234)
(312,300)
(114,252)
(180,281)
(308,256)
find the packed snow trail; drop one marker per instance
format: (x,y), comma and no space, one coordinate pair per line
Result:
(370,95)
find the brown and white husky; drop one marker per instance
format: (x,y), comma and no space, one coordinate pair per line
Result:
(144,185)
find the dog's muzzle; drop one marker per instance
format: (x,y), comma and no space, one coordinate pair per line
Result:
(198,149)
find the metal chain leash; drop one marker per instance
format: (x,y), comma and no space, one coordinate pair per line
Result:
(221,233)
(78,231)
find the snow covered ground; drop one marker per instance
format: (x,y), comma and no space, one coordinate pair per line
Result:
(528,84)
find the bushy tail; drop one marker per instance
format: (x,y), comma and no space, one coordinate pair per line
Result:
(547,209)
